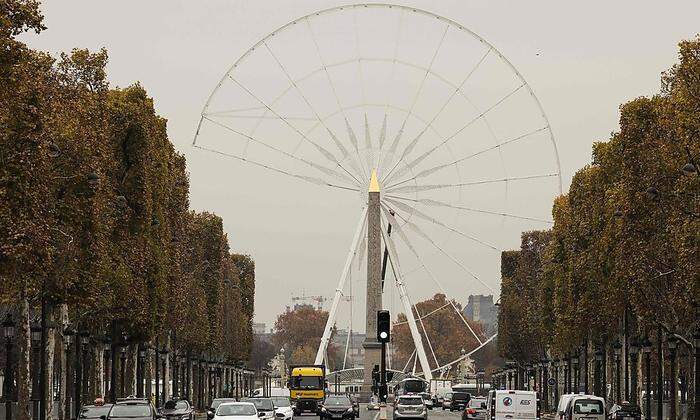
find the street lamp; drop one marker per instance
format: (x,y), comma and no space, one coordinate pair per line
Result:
(672,343)
(8,331)
(598,361)
(164,352)
(617,350)
(577,376)
(634,352)
(122,360)
(696,345)
(646,349)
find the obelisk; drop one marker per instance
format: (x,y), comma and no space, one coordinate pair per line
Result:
(374,283)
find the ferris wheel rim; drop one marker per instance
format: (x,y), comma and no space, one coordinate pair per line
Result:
(404,8)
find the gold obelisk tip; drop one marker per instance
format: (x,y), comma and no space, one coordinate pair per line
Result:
(373,183)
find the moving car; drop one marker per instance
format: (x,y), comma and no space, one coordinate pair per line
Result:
(236,411)
(94,411)
(216,402)
(563,403)
(283,408)
(177,410)
(337,407)
(476,409)
(511,404)
(132,409)
(410,407)
(588,407)
(265,407)
(447,400)
(459,400)
(625,411)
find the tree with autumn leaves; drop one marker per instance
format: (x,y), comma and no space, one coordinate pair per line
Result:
(622,260)
(95,220)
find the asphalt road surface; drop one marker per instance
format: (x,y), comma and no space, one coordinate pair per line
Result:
(374,415)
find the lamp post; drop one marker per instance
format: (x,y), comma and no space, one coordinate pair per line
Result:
(555,365)
(122,369)
(577,379)
(659,374)
(156,365)
(596,373)
(672,343)
(164,366)
(139,371)
(8,331)
(85,363)
(696,384)
(646,349)
(634,352)
(106,347)
(617,349)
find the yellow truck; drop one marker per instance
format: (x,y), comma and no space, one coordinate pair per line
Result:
(307,387)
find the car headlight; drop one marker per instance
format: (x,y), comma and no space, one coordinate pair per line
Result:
(349,410)
(323,409)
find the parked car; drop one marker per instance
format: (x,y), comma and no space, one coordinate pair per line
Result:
(237,411)
(337,407)
(283,406)
(459,400)
(410,407)
(563,403)
(94,411)
(265,407)
(588,407)
(177,410)
(132,409)
(476,409)
(625,411)
(447,400)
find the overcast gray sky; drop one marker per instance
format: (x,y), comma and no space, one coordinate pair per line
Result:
(583,59)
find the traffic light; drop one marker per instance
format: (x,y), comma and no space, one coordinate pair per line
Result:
(383,326)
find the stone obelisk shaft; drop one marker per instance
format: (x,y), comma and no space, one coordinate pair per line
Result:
(374,282)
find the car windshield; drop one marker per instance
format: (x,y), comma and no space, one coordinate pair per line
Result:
(176,405)
(131,410)
(94,412)
(337,401)
(264,404)
(217,402)
(588,407)
(411,401)
(236,410)
(281,401)
(476,402)
(414,385)
(308,382)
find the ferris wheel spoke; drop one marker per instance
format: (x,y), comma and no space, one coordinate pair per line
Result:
(363,173)
(396,324)
(368,144)
(393,221)
(309,179)
(395,189)
(425,333)
(437,168)
(388,177)
(414,211)
(436,203)
(321,168)
(428,70)
(427,238)
(327,154)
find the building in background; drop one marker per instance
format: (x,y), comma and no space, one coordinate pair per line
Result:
(356,353)
(480,308)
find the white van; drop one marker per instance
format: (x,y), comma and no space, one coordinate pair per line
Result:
(513,405)
(587,407)
(563,403)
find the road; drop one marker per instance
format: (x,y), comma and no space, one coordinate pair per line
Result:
(374,415)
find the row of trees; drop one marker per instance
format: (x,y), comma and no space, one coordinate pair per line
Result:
(95,225)
(623,255)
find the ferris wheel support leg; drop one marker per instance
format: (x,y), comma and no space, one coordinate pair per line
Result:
(408,310)
(320,354)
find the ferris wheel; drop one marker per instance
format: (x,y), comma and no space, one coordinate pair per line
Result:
(454,135)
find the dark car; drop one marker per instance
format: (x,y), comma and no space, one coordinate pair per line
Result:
(132,409)
(476,409)
(94,411)
(625,411)
(177,410)
(459,400)
(337,407)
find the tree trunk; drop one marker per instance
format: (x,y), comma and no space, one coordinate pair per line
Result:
(50,352)
(148,375)
(62,364)
(24,381)
(130,370)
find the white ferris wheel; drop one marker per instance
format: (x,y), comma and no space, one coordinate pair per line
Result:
(461,146)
